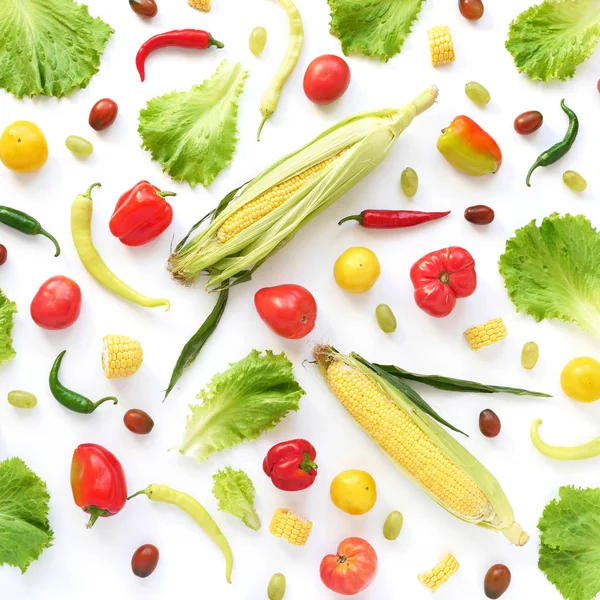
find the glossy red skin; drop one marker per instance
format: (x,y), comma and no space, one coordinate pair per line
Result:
(98,480)
(352,569)
(471,9)
(290,465)
(138,421)
(440,277)
(3,254)
(141,215)
(144,560)
(326,79)
(289,310)
(528,122)
(57,303)
(103,114)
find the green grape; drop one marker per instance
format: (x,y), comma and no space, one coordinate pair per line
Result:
(393,525)
(385,318)
(529,355)
(258,40)
(574,181)
(79,146)
(477,93)
(276,589)
(20,399)
(409,182)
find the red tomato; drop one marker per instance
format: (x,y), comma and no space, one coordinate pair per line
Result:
(440,277)
(352,569)
(57,303)
(289,310)
(103,114)
(326,79)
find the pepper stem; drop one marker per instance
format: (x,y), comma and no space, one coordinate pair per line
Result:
(358,218)
(137,494)
(102,401)
(95,514)
(307,465)
(213,42)
(165,194)
(52,239)
(262,124)
(89,190)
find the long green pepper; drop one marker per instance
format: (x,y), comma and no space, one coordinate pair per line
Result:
(25,224)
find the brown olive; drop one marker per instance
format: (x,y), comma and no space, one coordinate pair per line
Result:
(528,122)
(3,254)
(144,560)
(138,421)
(489,423)
(479,214)
(471,9)
(103,114)
(144,8)
(496,582)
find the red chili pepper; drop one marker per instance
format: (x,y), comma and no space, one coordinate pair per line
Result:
(440,277)
(181,38)
(291,466)
(141,214)
(393,219)
(98,482)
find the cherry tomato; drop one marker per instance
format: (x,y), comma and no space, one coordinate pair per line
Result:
(354,492)
(352,569)
(289,310)
(496,582)
(57,303)
(357,270)
(3,254)
(528,122)
(479,214)
(103,114)
(23,147)
(580,379)
(144,560)
(326,79)
(489,423)
(138,421)
(471,9)
(144,8)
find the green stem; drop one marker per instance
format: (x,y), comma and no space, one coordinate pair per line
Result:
(307,465)
(165,194)
(52,239)
(95,514)
(88,194)
(144,492)
(587,450)
(213,42)
(95,405)
(262,124)
(358,218)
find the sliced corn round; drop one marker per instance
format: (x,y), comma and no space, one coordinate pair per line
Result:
(441,45)
(485,335)
(287,525)
(203,5)
(121,356)
(440,573)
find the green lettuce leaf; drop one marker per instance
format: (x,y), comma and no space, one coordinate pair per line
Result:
(550,40)
(7,310)
(49,47)
(550,271)
(251,397)
(24,528)
(570,543)
(193,135)
(235,492)
(376,28)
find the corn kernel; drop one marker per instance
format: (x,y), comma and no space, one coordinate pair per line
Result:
(484,335)
(440,573)
(441,45)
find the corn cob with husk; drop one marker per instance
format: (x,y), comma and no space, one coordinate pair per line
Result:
(419,445)
(252,224)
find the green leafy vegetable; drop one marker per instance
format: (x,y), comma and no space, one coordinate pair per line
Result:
(549,271)
(7,310)
(24,528)
(193,135)
(569,548)
(549,40)
(251,397)
(235,492)
(376,28)
(49,47)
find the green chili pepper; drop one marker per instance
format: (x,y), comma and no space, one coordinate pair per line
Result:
(557,151)
(70,399)
(162,493)
(25,224)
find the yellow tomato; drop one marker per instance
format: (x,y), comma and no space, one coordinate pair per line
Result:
(580,379)
(357,270)
(23,147)
(354,492)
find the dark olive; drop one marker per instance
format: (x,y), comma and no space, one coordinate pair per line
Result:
(471,9)
(479,214)
(144,560)
(103,114)
(496,582)
(144,8)
(138,421)
(3,254)
(489,423)
(528,122)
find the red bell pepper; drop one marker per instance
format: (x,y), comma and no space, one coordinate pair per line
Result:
(440,277)
(141,214)
(291,466)
(98,482)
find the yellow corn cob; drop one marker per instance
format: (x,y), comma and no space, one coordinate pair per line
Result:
(287,525)
(267,202)
(121,356)
(419,445)
(441,45)
(203,5)
(484,335)
(440,573)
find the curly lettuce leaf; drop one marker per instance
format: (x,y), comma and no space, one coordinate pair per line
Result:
(49,47)
(7,310)
(376,28)
(235,492)
(570,543)
(550,271)
(251,397)
(24,528)
(550,40)
(194,134)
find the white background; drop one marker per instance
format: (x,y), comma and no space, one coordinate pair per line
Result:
(95,564)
